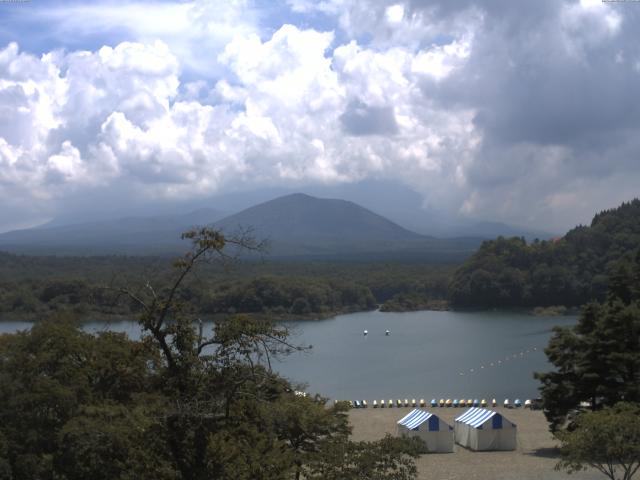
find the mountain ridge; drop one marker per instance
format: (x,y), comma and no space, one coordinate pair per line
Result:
(296,225)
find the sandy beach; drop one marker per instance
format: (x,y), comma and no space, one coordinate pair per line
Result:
(534,458)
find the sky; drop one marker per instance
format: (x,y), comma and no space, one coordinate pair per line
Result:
(525,112)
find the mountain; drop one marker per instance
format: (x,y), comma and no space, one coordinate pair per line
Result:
(395,202)
(315,225)
(129,235)
(295,225)
(300,224)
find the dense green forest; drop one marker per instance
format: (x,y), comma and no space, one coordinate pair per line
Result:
(176,405)
(31,287)
(506,272)
(570,271)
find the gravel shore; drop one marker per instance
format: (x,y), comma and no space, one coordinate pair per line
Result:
(534,458)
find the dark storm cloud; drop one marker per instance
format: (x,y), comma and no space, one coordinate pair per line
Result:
(535,79)
(550,87)
(361,119)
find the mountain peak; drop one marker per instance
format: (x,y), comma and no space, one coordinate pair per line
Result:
(318,225)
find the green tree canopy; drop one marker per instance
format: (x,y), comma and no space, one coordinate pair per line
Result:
(607,440)
(598,360)
(180,404)
(571,270)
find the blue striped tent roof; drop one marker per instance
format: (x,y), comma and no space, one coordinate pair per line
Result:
(475,417)
(415,418)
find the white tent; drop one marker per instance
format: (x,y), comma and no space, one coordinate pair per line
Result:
(437,434)
(480,429)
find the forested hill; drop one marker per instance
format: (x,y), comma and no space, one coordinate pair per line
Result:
(567,271)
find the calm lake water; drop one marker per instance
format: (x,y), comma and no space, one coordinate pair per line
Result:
(427,354)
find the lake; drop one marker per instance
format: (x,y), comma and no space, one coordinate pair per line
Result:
(427,354)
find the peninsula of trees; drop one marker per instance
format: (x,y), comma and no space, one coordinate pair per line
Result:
(571,270)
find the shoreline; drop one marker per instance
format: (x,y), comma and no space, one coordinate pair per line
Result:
(534,312)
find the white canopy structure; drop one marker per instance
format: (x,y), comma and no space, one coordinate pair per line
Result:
(437,434)
(480,429)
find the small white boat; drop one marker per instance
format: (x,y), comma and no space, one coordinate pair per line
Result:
(387,332)
(365,333)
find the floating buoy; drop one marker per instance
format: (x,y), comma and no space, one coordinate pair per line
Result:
(365,332)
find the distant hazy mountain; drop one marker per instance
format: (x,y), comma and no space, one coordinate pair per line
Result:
(294,225)
(306,221)
(395,202)
(130,235)
(300,224)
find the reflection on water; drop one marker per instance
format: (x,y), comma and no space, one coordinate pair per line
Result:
(427,354)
